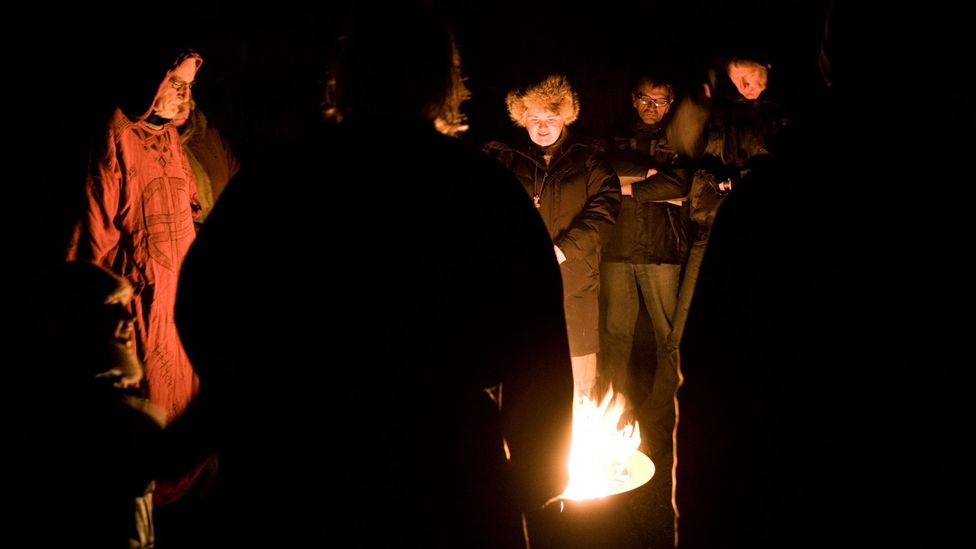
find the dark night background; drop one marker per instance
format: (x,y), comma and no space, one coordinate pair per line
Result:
(262,75)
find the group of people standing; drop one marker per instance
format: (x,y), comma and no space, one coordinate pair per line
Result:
(629,217)
(478,298)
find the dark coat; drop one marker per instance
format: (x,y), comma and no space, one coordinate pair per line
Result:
(740,134)
(823,401)
(578,199)
(649,229)
(345,355)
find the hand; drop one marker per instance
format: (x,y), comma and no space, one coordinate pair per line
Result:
(560,256)
(650,172)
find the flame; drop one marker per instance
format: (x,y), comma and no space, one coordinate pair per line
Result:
(604,458)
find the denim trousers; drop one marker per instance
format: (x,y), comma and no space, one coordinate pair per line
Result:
(623,286)
(688,283)
(619,283)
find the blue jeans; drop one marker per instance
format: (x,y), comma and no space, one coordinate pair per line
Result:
(619,283)
(656,411)
(688,283)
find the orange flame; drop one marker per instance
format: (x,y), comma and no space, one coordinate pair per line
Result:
(604,459)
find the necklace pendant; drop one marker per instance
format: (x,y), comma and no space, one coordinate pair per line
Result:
(535,200)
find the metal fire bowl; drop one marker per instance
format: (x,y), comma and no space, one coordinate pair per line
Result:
(641,469)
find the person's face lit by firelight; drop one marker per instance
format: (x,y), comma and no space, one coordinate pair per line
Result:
(652,102)
(543,125)
(749,78)
(176,89)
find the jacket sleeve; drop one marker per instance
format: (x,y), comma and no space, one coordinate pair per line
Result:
(669,183)
(95,236)
(629,166)
(592,226)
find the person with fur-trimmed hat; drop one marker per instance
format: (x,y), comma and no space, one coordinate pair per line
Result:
(578,196)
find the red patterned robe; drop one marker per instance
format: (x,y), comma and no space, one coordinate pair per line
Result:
(138,222)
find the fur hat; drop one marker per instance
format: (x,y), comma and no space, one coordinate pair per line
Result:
(553,93)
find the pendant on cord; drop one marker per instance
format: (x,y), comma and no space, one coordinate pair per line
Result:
(535,200)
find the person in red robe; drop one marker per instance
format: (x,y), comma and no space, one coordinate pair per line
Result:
(138,222)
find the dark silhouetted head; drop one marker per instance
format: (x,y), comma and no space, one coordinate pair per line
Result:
(403,66)
(88,320)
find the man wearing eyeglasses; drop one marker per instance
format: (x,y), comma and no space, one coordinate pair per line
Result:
(643,259)
(137,221)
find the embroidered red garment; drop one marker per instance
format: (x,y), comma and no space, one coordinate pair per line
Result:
(139,223)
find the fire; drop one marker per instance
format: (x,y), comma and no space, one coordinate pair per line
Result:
(604,459)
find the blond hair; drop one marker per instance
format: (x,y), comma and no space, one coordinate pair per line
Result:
(554,94)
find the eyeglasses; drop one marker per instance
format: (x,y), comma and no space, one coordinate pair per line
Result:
(180,85)
(645,101)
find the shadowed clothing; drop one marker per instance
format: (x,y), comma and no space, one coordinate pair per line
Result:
(823,402)
(344,356)
(579,197)
(211,159)
(83,462)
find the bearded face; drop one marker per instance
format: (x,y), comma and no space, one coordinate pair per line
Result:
(175,90)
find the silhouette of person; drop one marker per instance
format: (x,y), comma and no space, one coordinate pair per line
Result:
(90,439)
(390,367)
(821,404)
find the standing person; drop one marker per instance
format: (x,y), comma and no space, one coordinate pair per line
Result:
(578,196)
(138,222)
(426,402)
(210,156)
(644,258)
(824,403)
(744,121)
(86,434)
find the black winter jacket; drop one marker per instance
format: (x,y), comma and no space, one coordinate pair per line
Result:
(649,229)
(578,197)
